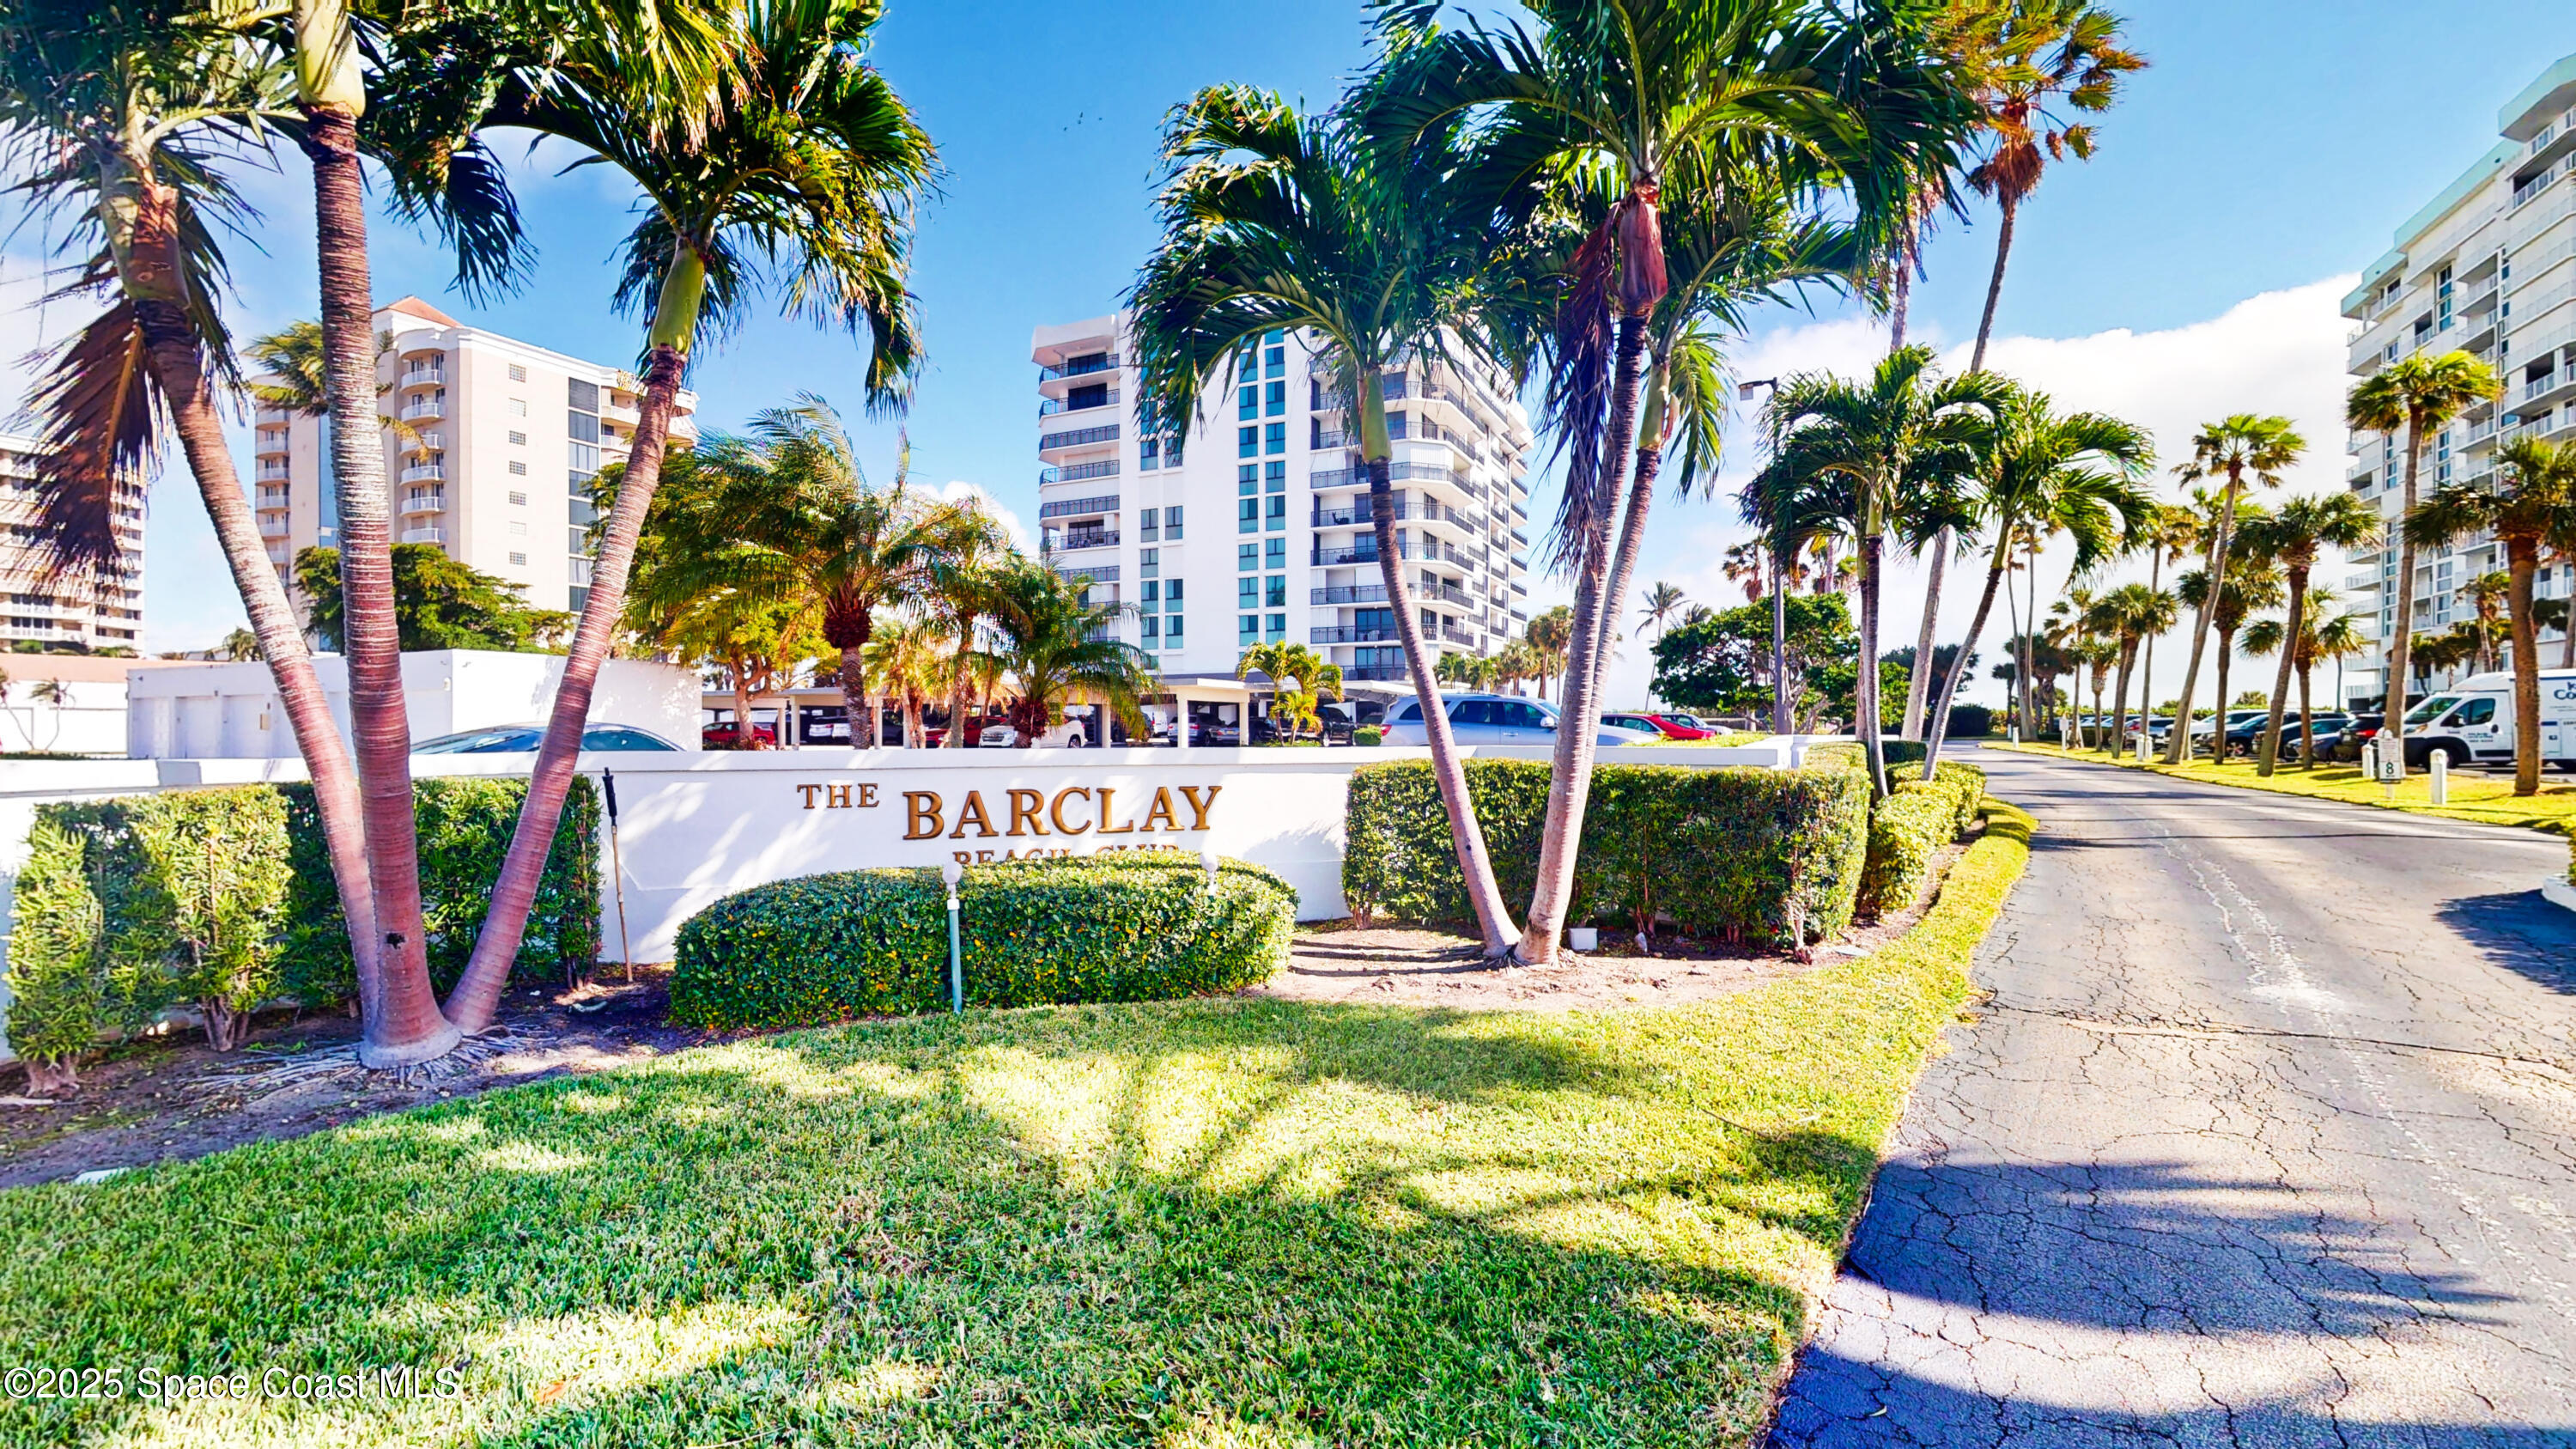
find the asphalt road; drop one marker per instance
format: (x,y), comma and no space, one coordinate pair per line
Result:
(2267,1137)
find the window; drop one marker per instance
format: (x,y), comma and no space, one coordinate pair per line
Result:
(577,543)
(1275,401)
(1276,550)
(1524,716)
(1275,516)
(1172,630)
(1146,525)
(519,559)
(1274,360)
(1149,627)
(1274,478)
(1172,593)
(1153,591)
(519,500)
(1248,629)
(1247,557)
(518,407)
(1247,515)
(1172,523)
(1247,480)
(518,469)
(2475,712)
(1148,562)
(1395,425)
(518,529)
(1247,593)
(1247,442)
(1278,627)
(1274,592)
(1148,449)
(1275,438)
(1248,401)
(518,373)
(518,439)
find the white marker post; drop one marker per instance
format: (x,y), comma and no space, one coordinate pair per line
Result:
(951,872)
(2438,786)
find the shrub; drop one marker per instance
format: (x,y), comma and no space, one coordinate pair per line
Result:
(57,996)
(464,826)
(1367,735)
(1775,854)
(214,884)
(1910,826)
(1971,721)
(1847,754)
(1127,926)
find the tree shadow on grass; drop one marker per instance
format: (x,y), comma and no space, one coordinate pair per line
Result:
(1213,1223)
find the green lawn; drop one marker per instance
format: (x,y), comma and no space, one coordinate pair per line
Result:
(2487,799)
(1207,1223)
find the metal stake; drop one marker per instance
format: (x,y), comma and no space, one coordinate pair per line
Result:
(617,870)
(951,873)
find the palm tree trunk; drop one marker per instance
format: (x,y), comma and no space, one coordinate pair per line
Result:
(395,1019)
(2307,721)
(1570,774)
(2120,702)
(2218,722)
(911,720)
(1466,836)
(2271,749)
(2022,682)
(1632,533)
(1918,684)
(378,721)
(2401,626)
(1994,286)
(478,991)
(1873,746)
(2178,748)
(2522,562)
(2147,651)
(743,734)
(1959,667)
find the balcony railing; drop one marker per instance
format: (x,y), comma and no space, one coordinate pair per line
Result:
(1350,634)
(427,533)
(1333,555)
(1349,594)
(272,526)
(1049,407)
(427,500)
(1395,473)
(1093,538)
(1456,636)
(424,376)
(272,468)
(1376,673)
(274,497)
(1079,437)
(427,407)
(2539,386)
(1356,514)
(1078,507)
(1083,367)
(425,473)
(1097,573)
(1078,472)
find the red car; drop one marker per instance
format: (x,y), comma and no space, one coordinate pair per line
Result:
(1670,726)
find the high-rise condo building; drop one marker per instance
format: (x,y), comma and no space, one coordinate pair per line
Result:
(44,607)
(2488,267)
(498,444)
(1256,527)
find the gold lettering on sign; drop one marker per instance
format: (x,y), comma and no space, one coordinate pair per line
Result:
(1025,808)
(922,820)
(972,813)
(1055,811)
(1105,827)
(868,796)
(1162,810)
(1199,808)
(809,792)
(838,797)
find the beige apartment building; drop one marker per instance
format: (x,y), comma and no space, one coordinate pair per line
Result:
(40,608)
(2488,267)
(500,442)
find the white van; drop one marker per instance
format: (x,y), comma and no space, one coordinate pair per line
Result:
(2473,721)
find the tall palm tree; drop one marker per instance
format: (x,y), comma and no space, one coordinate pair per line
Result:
(1054,644)
(2128,615)
(2044,53)
(960,580)
(1894,454)
(806,164)
(1275,221)
(120,120)
(2530,508)
(2043,469)
(2167,539)
(2235,447)
(2291,538)
(2420,395)
(2252,584)
(1661,603)
(2488,597)
(2325,633)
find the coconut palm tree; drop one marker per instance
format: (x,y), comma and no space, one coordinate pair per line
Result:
(1054,644)
(2169,537)
(1273,221)
(2420,395)
(2486,596)
(2530,508)
(1892,454)
(2045,470)
(1318,679)
(2042,54)
(2290,538)
(960,579)
(2325,633)
(2234,447)
(1660,605)
(806,165)
(120,121)
(910,660)
(2252,584)
(2129,614)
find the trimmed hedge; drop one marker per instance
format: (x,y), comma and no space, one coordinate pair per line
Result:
(1772,854)
(1910,826)
(1128,926)
(464,826)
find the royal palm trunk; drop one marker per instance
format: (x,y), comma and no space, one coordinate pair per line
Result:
(1632,524)
(2297,631)
(1940,730)
(1918,684)
(378,721)
(1873,745)
(2120,702)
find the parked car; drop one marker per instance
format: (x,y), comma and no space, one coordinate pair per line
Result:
(1686,726)
(2473,721)
(2246,738)
(1343,717)
(1067,734)
(1498,719)
(524,739)
(1643,724)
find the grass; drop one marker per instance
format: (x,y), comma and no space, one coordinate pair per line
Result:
(2485,799)
(1206,1223)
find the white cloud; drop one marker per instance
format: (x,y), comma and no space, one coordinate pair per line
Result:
(2279,352)
(981,497)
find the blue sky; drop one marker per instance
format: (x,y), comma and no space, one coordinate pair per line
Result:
(2271,146)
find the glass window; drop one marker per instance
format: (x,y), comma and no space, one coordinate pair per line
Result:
(1248,363)
(1274,477)
(1172,630)
(1274,360)
(1148,450)
(1146,526)
(1247,479)
(1276,551)
(1172,522)
(1473,712)
(1278,626)
(1526,716)
(1248,401)
(1149,627)
(1172,592)
(1274,592)
(1153,591)
(1248,630)
(1247,442)
(1247,592)
(518,373)
(2475,712)
(518,469)
(1275,438)
(2431,709)
(1247,515)
(1275,400)
(1276,515)
(1247,557)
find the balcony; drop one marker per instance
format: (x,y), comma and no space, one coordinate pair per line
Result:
(1456,636)
(1332,555)
(425,473)
(1078,438)
(274,497)
(1395,473)
(272,525)
(1334,438)
(1350,634)
(273,468)
(1080,367)
(271,439)
(1377,673)
(433,375)
(1349,594)
(427,443)
(1078,507)
(1049,407)
(425,500)
(1356,514)
(426,533)
(1075,538)
(1078,472)
(422,409)
(1097,573)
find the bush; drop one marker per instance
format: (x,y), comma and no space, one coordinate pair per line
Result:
(1137,926)
(1970,721)
(1775,854)
(464,828)
(1910,826)
(214,884)
(1367,735)
(1847,754)
(57,996)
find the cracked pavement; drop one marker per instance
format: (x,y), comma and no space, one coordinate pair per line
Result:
(2267,1136)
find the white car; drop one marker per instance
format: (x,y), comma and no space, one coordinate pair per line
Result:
(1003,737)
(1497,719)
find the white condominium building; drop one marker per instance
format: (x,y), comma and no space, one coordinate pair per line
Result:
(2489,268)
(1257,528)
(103,612)
(503,440)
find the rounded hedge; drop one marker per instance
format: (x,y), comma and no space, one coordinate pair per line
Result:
(1128,926)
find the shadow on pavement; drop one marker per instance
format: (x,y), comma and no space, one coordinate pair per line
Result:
(2520,931)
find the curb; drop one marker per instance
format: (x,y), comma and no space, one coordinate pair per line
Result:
(2560,891)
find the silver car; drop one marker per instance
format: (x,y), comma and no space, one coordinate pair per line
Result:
(1497,719)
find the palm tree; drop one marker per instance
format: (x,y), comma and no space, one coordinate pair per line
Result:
(2171,533)
(2252,584)
(1317,679)
(910,660)
(807,164)
(2130,614)
(2531,508)
(1055,644)
(1551,634)
(2487,595)
(1889,456)
(120,120)
(2234,446)
(2290,538)
(241,646)
(1660,605)
(961,573)
(2419,394)
(2042,469)
(2322,635)
(1274,221)
(2043,53)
